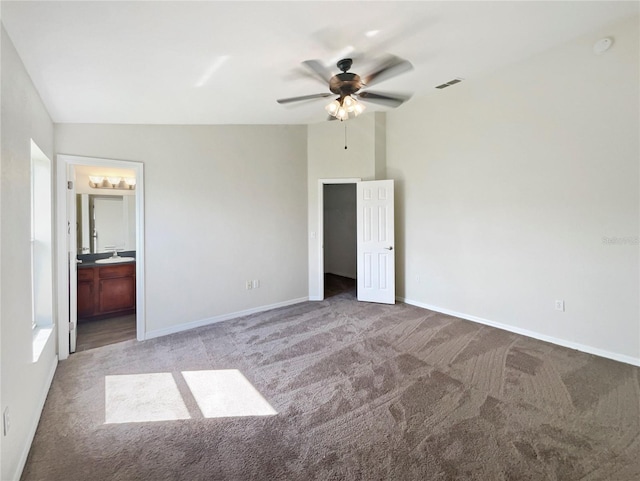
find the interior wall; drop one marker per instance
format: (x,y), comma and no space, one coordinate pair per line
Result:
(327,158)
(223,205)
(339,205)
(24,382)
(522,188)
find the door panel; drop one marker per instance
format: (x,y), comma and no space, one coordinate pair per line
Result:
(376,258)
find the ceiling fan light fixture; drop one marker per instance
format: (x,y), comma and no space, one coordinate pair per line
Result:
(345,106)
(349,103)
(333,107)
(342,114)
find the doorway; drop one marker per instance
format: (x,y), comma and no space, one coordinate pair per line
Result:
(72,249)
(375,258)
(105,224)
(339,239)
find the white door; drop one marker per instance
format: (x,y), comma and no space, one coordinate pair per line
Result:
(375,225)
(72,249)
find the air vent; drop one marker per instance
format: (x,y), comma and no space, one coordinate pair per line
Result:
(449,83)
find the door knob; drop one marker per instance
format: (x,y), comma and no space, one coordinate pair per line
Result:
(390,248)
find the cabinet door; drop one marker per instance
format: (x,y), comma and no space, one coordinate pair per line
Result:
(86,303)
(117,294)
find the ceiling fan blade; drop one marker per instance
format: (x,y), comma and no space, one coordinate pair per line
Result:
(388,99)
(304,97)
(389,68)
(319,69)
(302,73)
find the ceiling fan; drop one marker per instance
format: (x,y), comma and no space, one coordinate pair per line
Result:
(348,86)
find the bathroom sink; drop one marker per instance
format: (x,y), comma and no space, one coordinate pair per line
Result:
(115,260)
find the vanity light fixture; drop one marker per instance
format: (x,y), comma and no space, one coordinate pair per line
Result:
(114,181)
(96,181)
(111,182)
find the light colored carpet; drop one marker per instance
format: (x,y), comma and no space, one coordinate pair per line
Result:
(362,392)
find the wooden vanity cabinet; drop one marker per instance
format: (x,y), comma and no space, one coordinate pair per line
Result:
(106,290)
(86,302)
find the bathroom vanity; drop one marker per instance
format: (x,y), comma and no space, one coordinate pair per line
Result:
(106,290)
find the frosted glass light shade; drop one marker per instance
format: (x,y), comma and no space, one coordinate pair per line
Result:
(343,107)
(114,180)
(342,114)
(96,179)
(130,181)
(349,103)
(333,107)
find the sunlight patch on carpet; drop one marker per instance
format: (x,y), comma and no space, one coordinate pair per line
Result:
(136,398)
(226,393)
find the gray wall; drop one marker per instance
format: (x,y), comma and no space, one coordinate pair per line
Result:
(223,205)
(509,187)
(24,383)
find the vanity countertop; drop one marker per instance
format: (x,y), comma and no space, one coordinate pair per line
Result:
(89,260)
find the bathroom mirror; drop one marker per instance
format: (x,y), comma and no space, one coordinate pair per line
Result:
(105,223)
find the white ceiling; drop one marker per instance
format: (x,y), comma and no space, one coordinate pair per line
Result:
(178,62)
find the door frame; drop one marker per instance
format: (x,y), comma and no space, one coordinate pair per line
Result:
(320,236)
(64,162)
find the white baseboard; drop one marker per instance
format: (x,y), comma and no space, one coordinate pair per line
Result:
(36,419)
(224,317)
(525,332)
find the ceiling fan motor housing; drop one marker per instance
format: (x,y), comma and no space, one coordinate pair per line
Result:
(345,84)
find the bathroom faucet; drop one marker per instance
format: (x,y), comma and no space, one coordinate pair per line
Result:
(112,248)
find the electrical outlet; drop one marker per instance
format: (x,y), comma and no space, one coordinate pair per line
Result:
(6,421)
(256,284)
(248,285)
(560,306)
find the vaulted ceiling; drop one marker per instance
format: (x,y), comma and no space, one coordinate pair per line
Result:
(178,62)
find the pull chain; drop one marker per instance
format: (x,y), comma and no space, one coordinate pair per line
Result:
(345,136)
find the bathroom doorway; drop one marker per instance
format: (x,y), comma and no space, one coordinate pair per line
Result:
(101,285)
(105,229)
